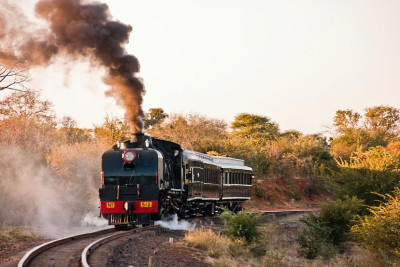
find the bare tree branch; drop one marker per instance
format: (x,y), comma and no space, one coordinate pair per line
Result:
(13,78)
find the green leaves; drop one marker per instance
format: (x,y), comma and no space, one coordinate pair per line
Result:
(255,126)
(242,225)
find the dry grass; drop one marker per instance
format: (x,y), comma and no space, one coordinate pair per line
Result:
(16,235)
(207,240)
(275,247)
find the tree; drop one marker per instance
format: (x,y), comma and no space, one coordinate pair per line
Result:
(27,105)
(380,127)
(13,78)
(254,126)
(27,121)
(153,117)
(346,119)
(192,131)
(70,133)
(384,118)
(112,130)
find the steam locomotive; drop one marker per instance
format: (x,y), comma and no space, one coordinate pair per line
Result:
(146,179)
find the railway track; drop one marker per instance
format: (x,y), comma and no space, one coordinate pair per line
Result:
(79,250)
(94,249)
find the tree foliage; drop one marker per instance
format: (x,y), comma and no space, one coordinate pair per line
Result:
(70,133)
(27,105)
(383,118)
(380,127)
(368,173)
(153,117)
(112,130)
(380,231)
(346,119)
(192,131)
(254,126)
(242,225)
(326,231)
(27,121)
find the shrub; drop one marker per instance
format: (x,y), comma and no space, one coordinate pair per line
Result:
(314,239)
(338,215)
(259,191)
(325,232)
(381,230)
(367,173)
(242,225)
(364,183)
(292,192)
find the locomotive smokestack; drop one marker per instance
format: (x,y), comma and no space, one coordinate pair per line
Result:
(133,138)
(137,138)
(77,29)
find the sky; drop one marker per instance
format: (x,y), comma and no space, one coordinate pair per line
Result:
(296,62)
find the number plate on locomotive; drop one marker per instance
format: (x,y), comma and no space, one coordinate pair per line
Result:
(145,204)
(110,205)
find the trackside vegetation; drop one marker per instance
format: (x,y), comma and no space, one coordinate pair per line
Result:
(356,169)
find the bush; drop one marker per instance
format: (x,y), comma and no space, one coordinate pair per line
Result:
(259,191)
(325,232)
(338,215)
(242,225)
(364,183)
(367,173)
(314,239)
(381,230)
(292,192)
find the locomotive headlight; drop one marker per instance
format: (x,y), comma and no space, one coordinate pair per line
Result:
(129,156)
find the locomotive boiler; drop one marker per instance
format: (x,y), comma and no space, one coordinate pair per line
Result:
(146,179)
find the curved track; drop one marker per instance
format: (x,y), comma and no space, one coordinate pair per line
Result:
(61,252)
(94,253)
(92,249)
(74,250)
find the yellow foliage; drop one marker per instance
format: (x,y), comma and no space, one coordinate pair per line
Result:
(381,230)
(376,158)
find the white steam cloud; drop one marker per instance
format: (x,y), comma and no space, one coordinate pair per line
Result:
(91,219)
(33,194)
(174,224)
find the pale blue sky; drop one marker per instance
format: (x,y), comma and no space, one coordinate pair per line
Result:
(296,62)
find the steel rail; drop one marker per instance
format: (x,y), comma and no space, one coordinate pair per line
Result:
(27,258)
(94,245)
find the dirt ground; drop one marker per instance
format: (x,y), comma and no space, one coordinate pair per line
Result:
(11,252)
(164,249)
(274,194)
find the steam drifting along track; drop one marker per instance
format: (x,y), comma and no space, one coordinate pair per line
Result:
(68,251)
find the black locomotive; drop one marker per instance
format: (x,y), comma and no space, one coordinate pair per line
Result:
(146,179)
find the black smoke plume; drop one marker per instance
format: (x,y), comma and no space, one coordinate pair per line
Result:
(77,29)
